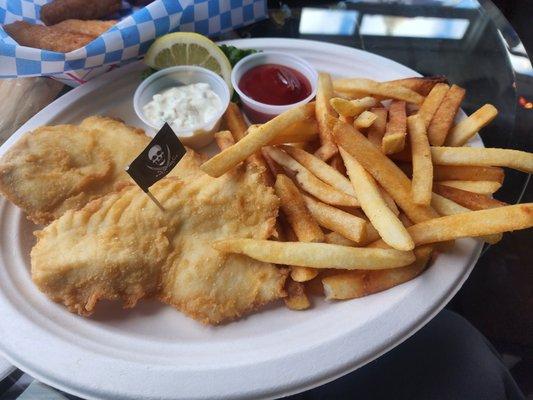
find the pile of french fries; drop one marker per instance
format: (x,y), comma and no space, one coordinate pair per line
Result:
(374,178)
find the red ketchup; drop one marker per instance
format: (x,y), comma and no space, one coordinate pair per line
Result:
(273,84)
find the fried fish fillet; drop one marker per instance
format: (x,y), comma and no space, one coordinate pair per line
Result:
(63,37)
(46,37)
(92,28)
(60,10)
(123,247)
(57,168)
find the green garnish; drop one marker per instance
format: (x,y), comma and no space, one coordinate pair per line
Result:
(234,54)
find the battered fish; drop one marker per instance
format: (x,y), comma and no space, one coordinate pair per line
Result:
(58,168)
(92,28)
(46,37)
(123,247)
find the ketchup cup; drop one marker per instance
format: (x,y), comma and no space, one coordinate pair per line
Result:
(256,111)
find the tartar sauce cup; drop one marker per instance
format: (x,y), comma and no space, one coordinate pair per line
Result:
(196,136)
(261,112)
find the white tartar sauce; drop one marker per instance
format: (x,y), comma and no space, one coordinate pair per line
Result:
(183,107)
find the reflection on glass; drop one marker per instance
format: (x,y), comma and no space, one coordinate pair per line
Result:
(417,27)
(521,64)
(436,3)
(314,21)
(461,3)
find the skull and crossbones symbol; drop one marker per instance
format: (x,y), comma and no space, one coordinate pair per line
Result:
(159,158)
(156,155)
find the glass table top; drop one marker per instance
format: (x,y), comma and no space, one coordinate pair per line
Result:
(469,42)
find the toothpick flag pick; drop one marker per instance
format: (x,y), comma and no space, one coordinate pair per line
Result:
(156,160)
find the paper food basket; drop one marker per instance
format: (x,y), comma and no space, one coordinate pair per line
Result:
(127,41)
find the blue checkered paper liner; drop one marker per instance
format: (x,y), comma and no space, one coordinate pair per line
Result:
(127,41)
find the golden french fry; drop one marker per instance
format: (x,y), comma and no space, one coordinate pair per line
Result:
(421,85)
(442,121)
(296,298)
(302,131)
(432,102)
(390,177)
(298,216)
(481,187)
(365,119)
(303,274)
(371,233)
(325,116)
(389,201)
(309,182)
(376,131)
(237,125)
(321,170)
(468,127)
(422,183)
(383,89)
(348,96)
(274,167)
(224,139)
(354,284)
(446,206)
(337,238)
(483,157)
(472,201)
(461,173)
(316,255)
(473,223)
(251,143)
(396,129)
(469,173)
(383,219)
(235,121)
(298,274)
(352,108)
(348,225)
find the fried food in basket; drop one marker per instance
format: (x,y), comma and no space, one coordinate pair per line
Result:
(123,247)
(64,37)
(93,28)
(58,168)
(61,10)
(45,37)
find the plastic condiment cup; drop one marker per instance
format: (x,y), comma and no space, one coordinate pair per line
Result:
(196,136)
(256,111)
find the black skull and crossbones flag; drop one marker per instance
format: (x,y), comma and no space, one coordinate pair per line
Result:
(157,159)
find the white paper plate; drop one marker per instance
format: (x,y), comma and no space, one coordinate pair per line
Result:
(153,351)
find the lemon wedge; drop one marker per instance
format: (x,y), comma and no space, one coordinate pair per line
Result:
(187,48)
